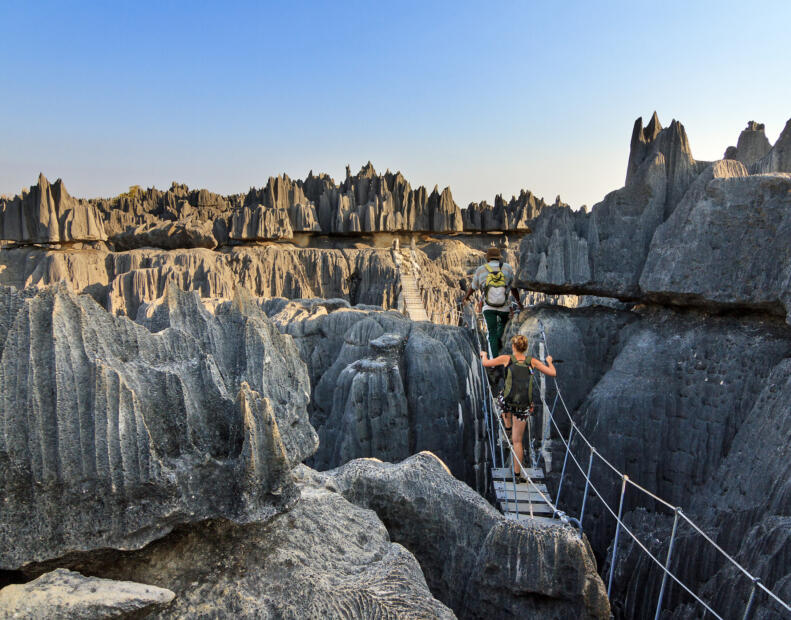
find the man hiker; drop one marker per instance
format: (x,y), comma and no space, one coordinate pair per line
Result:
(494,279)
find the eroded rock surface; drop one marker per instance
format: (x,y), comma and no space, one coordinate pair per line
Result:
(114,434)
(324,558)
(728,244)
(63,594)
(475,561)
(47,214)
(384,386)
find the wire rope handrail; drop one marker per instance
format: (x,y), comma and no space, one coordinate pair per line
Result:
(594,452)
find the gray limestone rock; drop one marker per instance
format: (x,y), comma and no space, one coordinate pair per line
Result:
(324,558)
(752,145)
(167,235)
(690,408)
(63,594)
(475,561)
(778,159)
(259,223)
(385,387)
(47,214)
(113,434)
(727,245)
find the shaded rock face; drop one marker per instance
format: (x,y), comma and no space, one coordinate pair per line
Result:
(475,561)
(778,159)
(114,434)
(689,406)
(63,594)
(385,387)
(324,558)
(47,214)
(166,235)
(726,247)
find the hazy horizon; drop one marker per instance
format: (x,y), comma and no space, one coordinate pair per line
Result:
(483,99)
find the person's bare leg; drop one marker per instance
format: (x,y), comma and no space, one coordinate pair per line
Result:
(507,420)
(517,432)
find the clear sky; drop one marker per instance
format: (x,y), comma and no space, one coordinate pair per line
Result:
(487,97)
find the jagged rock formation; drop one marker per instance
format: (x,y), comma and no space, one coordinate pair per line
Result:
(166,235)
(660,222)
(114,434)
(778,159)
(47,214)
(477,562)
(752,145)
(324,558)
(122,281)
(63,594)
(386,387)
(514,215)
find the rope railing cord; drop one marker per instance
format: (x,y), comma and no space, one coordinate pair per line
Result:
(574,428)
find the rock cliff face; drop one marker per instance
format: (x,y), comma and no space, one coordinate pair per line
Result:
(114,434)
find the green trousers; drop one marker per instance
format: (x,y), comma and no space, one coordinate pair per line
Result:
(495,325)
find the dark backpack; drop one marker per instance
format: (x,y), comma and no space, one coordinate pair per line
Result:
(518,392)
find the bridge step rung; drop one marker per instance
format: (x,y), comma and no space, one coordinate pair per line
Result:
(524,488)
(528,519)
(524,508)
(505,473)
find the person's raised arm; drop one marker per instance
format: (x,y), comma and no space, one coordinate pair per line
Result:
(467,295)
(500,360)
(548,369)
(515,293)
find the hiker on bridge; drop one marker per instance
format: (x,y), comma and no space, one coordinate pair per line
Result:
(494,279)
(516,399)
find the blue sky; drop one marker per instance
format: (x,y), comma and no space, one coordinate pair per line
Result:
(485,97)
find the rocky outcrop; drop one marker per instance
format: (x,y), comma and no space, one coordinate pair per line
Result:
(123,281)
(376,391)
(167,235)
(47,214)
(514,215)
(778,159)
(324,558)
(726,245)
(680,231)
(751,147)
(477,562)
(63,594)
(259,223)
(602,252)
(113,434)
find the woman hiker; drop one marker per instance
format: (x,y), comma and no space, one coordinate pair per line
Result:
(516,399)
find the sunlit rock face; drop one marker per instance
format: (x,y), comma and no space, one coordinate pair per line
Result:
(113,434)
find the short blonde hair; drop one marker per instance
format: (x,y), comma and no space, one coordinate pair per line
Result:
(520,343)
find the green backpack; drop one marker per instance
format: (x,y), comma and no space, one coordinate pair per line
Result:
(518,391)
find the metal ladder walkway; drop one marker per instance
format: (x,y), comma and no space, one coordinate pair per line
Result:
(410,292)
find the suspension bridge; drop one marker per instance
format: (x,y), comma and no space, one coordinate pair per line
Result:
(532,500)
